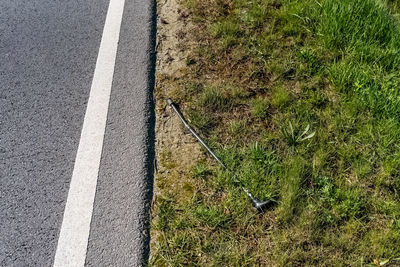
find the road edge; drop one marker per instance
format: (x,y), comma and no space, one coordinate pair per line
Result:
(151,134)
(120,226)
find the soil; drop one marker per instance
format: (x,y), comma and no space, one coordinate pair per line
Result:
(176,149)
(172,28)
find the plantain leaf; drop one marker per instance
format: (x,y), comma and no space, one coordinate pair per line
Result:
(291,129)
(308,136)
(305,131)
(384,262)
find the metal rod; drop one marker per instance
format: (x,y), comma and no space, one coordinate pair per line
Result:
(259,205)
(176,109)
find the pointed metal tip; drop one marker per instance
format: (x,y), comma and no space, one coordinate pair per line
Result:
(169,101)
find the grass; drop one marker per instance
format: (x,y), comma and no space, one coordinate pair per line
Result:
(258,67)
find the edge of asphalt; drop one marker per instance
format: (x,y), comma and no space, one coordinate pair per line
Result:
(120,225)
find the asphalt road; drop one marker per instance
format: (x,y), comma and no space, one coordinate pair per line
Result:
(48,53)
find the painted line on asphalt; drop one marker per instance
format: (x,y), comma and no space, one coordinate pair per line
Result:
(75,228)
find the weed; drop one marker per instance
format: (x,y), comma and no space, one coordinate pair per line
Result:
(294,137)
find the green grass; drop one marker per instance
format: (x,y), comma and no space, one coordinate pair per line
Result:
(330,64)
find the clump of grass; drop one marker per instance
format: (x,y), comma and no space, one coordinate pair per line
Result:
(291,184)
(337,203)
(357,24)
(226,31)
(201,120)
(259,170)
(371,40)
(332,64)
(213,100)
(260,108)
(211,216)
(280,97)
(237,127)
(201,170)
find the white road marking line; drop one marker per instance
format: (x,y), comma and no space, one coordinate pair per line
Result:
(75,228)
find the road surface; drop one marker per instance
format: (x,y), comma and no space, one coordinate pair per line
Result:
(66,102)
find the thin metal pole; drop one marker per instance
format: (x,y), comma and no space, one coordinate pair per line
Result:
(176,109)
(259,205)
